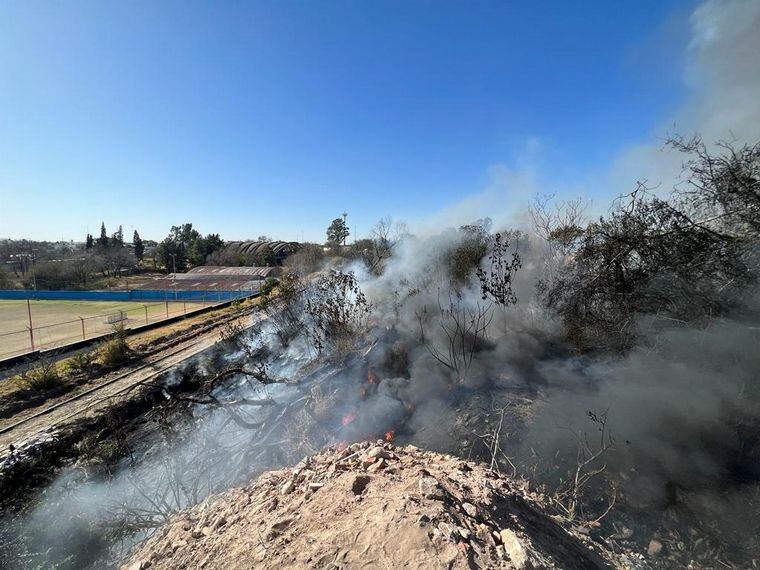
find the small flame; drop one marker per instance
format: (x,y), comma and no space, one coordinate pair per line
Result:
(389,435)
(371,377)
(348,418)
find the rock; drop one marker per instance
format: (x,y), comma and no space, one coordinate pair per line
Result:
(430,489)
(447,530)
(287,488)
(654,548)
(585,531)
(316,486)
(378,452)
(139,565)
(423,520)
(367,462)
(377,466)
(470,509)
(520,556)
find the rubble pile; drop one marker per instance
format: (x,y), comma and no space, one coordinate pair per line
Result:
(378,505)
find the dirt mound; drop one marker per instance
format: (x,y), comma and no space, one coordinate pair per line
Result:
(373,505)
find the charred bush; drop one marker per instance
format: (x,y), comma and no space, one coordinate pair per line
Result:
(683,259)
(497,278)
(337,310)
(284,310)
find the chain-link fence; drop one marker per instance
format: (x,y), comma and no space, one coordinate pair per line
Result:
(46,328)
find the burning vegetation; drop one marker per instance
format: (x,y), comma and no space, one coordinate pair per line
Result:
(611,364)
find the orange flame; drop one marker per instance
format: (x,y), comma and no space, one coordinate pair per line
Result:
(348,418)
(389,435)
(371,377)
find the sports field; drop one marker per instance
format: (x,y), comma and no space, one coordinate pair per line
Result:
(56,323)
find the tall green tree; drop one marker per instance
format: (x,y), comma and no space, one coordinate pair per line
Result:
(103,239)
(139,246)
(173,251)
(118,238)
(201,247)
(88,243)
(337,232)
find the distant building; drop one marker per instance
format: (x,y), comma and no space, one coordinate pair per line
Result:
(281,249)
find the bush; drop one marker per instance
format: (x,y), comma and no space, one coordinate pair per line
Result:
(43,377)
(268,286)
(337,310)
(82,362)
(682,259)
(116,350)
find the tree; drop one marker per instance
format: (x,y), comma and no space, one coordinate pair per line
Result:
(139,246)
(88,243)
(172,254)
(337,232)
(383,238)
(173,251)
(265,257)
(184,234)
(118,238)
(202,247)
(103,239)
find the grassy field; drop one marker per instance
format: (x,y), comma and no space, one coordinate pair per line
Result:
(60,322)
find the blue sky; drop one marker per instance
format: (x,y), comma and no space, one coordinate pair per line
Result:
(251,118)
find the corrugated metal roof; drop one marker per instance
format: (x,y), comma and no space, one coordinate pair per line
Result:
(281,249)
(216,284)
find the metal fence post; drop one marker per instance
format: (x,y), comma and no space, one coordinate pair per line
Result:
(146,314)
(31,325)
(82,321)
(167,308)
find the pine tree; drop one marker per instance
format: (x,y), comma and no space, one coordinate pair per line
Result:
(337,232)
(139,246)
(88,243)
(103,239)
(118,237)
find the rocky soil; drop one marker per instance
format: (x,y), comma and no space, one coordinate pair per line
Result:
(380,506)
